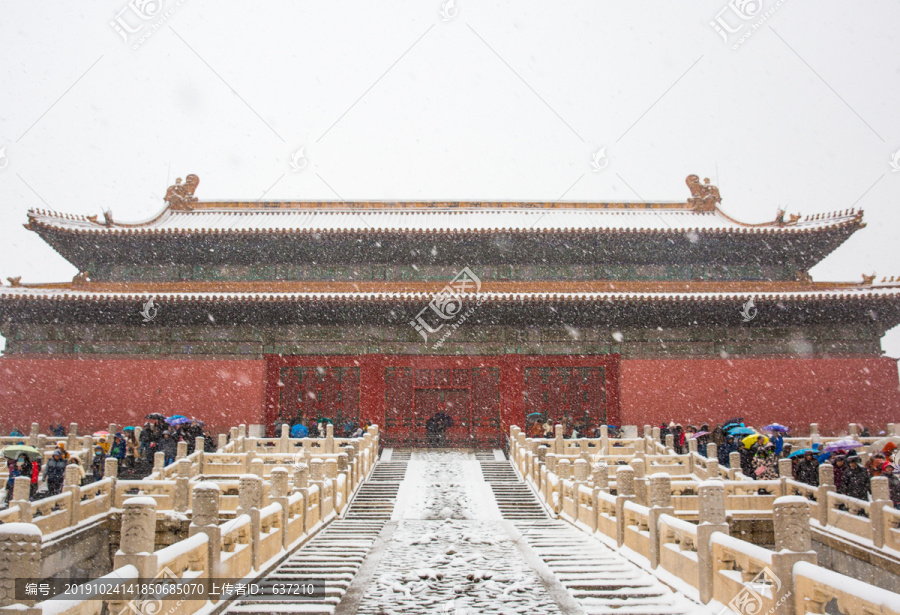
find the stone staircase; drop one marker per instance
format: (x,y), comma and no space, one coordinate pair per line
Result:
(334,555)
(601,581)
(514,498)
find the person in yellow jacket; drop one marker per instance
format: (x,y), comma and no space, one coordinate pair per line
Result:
(104,444)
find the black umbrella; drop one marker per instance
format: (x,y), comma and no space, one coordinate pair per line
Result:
(155,416)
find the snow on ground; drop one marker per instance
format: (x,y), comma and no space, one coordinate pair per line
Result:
(450,552)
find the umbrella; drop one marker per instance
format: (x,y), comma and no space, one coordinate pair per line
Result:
(752,438)
(174,422)
(199,422)
(324,420)
(101,433)
(741,431)
(732,425)
(878,445)
(843,443)
(128,429)
(699,433)
(776,427)
(13,452)
(803,451)
(299,431)
(534,415)
(155,416)
(176,416)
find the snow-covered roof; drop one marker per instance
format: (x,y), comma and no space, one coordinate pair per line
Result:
(887,291)
(444,217)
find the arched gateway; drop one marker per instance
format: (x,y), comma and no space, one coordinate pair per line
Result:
(476,315)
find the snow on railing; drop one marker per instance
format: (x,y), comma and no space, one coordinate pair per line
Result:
(641,517)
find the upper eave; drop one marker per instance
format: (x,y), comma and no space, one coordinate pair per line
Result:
(423,218)
(502,292)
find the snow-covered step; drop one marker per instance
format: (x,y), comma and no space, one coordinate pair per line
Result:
(514,498)
(602,581)
(332,557)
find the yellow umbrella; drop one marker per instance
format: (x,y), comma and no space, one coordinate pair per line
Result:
(752,438)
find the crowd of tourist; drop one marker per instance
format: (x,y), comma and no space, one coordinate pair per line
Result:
(761,450)
(134,454)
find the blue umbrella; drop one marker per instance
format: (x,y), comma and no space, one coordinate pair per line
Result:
(741,431)
(802,451)
(534,415)
(174,422)
(175,416)
(299,431)
(728,426)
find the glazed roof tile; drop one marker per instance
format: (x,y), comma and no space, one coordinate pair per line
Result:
(813,292)
(443,217)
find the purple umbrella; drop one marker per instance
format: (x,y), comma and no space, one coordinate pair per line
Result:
(698,434)
(776,427)
(843,443)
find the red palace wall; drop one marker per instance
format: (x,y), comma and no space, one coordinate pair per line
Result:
(792,391)
(223,392)
(95,392)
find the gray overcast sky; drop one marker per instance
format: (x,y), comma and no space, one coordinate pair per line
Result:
(460,100)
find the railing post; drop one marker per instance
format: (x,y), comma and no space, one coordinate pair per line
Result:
(881,499)
(301,484)
(793,543)
(734,462)
(159,463)
(640,481)
(199,446)
(21,497)
(72,441)
(283,439)
(712,519)
(559,445)
(853,429)
(624,492)
(223,442)
(182,496)
(72,486)
(20,544)
(604,440)
(181,450)
(249,503)
(712,452)
(600,480)
(205,520)
(33,436)
(331,473)
(660,504)
(785,471)
(138,536)
(670,443)
(814,433)
(582,471)
(826,485)
(278,492)
(111,471)
(329,438)
(656,436)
